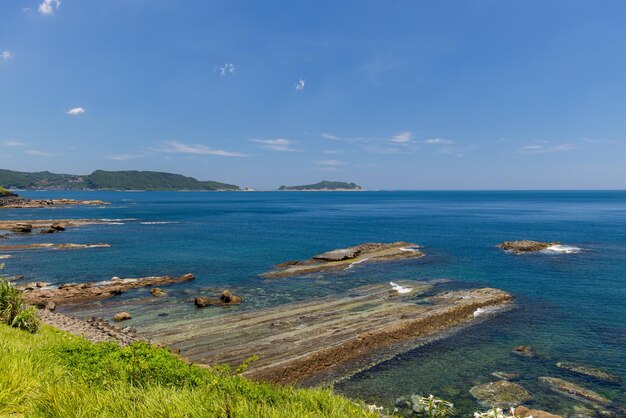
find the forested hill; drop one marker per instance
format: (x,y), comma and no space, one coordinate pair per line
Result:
(323,186)
(109,180)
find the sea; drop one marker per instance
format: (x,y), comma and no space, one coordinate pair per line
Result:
(570,305)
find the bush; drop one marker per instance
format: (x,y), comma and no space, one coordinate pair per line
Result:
(13,311)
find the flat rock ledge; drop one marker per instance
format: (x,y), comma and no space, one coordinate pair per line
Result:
(345,258)
(26,226)
(50,246)
(96,330)
(16,202)
(526,246)
(324,339)
(583,369)
(73,293)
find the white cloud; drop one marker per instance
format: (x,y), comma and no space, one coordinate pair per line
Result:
(6,55)
(326,135)
(14,144)
(331,163)
(122,157)
(402,137)
(333,151)
(227,69)
(438,141)
(543,149)
(174,147)
(36,153)
(47,7)
(278,144)
(300,85)
(75,111)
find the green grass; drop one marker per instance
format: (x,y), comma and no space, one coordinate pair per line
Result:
(5,192)
(54,374)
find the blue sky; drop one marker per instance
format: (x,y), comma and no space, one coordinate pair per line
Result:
(413,94)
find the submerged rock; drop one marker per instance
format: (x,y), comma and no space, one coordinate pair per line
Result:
(573,390)
(501,394)
(225,298)
(121,316)
(157,292)
(525,351)
(526,246)
(524,412)
(589,371)
(505,375)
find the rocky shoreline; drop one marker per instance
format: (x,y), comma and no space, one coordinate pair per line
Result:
(28,226)
(345,258)
(42,295)
(17,202)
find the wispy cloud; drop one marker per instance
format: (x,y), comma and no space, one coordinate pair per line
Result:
(6,55)
(75,111)
(545,148)
(14,144)
(47,7)
(402,137)
(300,85)
(438,141)
(37,153)
(123,157)
(326,135)
(227,69)
(331,163)
(278,144)
(333,151)
(175,147)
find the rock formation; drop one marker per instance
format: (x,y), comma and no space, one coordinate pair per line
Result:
(526,246)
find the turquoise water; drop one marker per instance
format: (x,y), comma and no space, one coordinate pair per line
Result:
(569,306)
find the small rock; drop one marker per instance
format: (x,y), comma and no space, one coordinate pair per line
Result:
(403,403)
(501,394)
(162,314)
(129,330)
(121,316)
(57,227)
(48,305)
(157,292)
(525,351)
(202,301)
(22,228)
(228,297)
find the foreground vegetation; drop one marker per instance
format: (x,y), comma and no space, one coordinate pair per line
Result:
(54,374)
(5,192)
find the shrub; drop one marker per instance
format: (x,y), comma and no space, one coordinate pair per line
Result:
(13,310)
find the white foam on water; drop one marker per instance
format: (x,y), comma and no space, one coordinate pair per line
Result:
(109,220)
(410,249)
(562,249)
(5,257)
(485,311)
(356,262)
(400,289)
(159,223)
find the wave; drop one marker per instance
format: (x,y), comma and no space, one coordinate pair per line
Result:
(486,311)
(400,289)
(562,249)
(159,222)
(410,249)
(356,262)
(108,220)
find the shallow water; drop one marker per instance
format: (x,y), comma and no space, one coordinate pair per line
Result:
(569,304)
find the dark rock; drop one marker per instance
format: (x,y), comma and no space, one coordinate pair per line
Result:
(157,292)
(121,316)
(506,375)
(339,254)
(524,351)
(163,314)
(501,394)
(526,246)
(49,305)
(202,301)
(22,228)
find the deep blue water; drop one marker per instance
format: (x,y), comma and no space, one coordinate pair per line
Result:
(569,306)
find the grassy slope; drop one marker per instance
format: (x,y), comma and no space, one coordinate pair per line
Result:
(54,374)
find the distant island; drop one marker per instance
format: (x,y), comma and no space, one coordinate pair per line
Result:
(323,186)
(107,180)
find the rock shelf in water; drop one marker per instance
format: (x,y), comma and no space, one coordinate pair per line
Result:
(44,224)
(84,292)
(326,338)
(16,202)
(526,246)
(573,390)
(344,258)
(589,371)
(50,246)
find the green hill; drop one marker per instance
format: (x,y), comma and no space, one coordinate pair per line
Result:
(112,180)
(323,185)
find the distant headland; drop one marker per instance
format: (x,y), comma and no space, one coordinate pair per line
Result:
(323,186)
(107,180)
